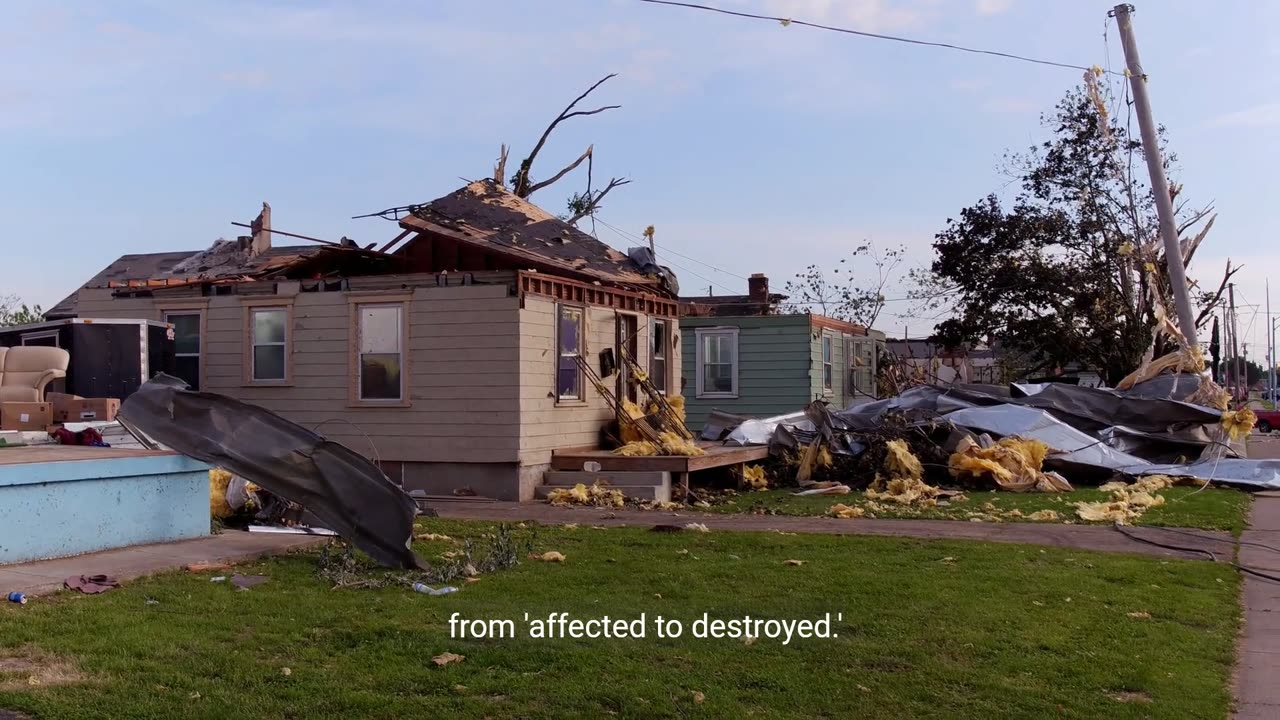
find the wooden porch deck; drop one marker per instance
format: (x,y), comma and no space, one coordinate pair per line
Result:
(717,455)
(25,454)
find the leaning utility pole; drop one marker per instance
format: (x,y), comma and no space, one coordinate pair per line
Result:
(1159,182)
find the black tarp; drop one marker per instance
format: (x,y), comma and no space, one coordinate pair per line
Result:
(342,488)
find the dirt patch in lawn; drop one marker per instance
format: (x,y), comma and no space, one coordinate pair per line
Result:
(28,668)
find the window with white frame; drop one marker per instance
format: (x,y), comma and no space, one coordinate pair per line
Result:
(268,336)
(186,346)
(717,362)
(381,352)
(659,351)
(828,363)
(570,329)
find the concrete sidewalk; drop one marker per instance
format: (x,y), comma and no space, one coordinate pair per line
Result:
(1258,653)
(46,576)
(1082,537)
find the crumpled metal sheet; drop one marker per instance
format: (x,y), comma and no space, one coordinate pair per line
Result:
(342,488)
(759,431)
(1263,474)
(1072,446)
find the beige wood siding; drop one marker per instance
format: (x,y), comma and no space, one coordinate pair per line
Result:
(547,423)
(463,361)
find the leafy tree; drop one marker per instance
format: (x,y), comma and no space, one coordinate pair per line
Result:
(14,312)
(844,294)
(1072,269)
(1253,372)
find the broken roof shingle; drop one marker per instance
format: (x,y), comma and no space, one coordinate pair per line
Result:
(151,269)
(492,217)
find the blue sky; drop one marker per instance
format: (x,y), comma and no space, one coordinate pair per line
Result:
(139,126)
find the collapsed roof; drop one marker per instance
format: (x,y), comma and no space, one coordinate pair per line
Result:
(490,218)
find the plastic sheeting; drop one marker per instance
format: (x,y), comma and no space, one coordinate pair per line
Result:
(343,489)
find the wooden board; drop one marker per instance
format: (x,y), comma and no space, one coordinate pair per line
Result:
(716,456)
(65,453)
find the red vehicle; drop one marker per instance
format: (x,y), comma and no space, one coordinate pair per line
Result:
(1268,420)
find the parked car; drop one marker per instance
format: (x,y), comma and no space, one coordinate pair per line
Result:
(1268,420)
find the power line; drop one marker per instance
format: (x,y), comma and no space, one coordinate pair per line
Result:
(623,235)
(631,236)
(861,33)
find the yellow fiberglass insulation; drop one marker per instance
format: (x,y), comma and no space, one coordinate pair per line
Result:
(903,491)
(753,477)
(677,406)
(899,461)
(673,444)
(1013,464)
(1238,422)
(638,448)
(628,429)
(1116,511)
(824,457)
(218,481)
(841,510)
(580,494)
(1044,516)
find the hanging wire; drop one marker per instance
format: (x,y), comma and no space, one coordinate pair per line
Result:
(861,33)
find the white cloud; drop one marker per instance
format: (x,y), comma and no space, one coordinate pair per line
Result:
(1264,115)
(993,7)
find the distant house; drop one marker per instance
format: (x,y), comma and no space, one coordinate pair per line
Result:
(981,364)
(743,357)
(449,354)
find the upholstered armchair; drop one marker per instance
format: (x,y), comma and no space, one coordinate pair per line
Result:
(25,371)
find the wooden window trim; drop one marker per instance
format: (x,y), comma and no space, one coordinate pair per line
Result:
(583,333)
(699,334)
(827,340)
(192,307)
(248,306)
(354,301)
(667,351)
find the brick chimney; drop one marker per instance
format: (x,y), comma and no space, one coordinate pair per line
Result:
(261,228)
(758,288)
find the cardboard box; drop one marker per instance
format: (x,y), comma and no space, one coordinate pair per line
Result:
(26,416)
(90,410)
(61,403)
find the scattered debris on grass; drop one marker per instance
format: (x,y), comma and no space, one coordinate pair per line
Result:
(840,510)
(446,658)
(903,491)
(26,667)
(1140,615)
(244,582)
(1130,696)
(433,537)
(549,556)
(91,584)
(1044,516)
(495,551)
(697,527)
(598,495)
(795,563)
(698,697)
(1129,501)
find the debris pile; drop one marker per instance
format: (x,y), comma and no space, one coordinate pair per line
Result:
(598,495)
(905,484)
(1128,501)
(753,476)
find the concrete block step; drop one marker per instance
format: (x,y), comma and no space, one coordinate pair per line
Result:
(569,478)
(660,493)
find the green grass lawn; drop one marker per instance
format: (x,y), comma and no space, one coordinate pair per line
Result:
(1210,509)
(929,630)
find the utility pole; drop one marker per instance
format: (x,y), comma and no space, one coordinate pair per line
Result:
(1235,349)
(1159,182)
(1271,346)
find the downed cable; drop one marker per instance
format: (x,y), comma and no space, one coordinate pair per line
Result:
(1182,548)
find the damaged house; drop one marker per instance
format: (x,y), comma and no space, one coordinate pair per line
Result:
(448,355)
(746,357)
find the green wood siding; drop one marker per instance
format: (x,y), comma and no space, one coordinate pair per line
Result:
(774,366)
(851,382)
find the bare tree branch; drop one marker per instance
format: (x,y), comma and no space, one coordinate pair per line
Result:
(521,186)
(568,168)
(1214,299)
(500,169)
(593,203)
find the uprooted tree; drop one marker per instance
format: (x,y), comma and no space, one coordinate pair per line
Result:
(14,312)
(582,204)
(845,292)
(1073,268)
